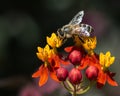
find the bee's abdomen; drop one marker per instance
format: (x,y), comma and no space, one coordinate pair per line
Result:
(87,27)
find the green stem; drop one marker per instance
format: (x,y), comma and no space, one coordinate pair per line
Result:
(69,85)
(74,92)
(66,86)
(86,89)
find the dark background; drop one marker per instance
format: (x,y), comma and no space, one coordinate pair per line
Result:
(24,25)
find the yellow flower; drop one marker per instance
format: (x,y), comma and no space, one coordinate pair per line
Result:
(106,60)
(44,53)
(54,41)
(90,43)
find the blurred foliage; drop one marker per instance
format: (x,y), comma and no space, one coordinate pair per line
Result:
(24,25)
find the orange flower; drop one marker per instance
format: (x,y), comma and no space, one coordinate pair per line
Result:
(105,75)
(43,73)
(51,63)
(46,69)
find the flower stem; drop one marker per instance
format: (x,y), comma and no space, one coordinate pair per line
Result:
(66,87)
(74,92)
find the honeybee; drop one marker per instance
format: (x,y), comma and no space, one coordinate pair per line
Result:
(74,27)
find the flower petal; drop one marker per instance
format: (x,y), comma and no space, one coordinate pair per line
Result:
(40,56)
(48,40)
(84,63)
(53,76)
(54,41)
(68,49)
(106,60)
(89,43)
(63,59)
(40,49)
(101,78)
(108,54)
(102,59)
(64,62)
(54,61)
(47,48)
(43,76)
(38,73)
(111,81)
(112,59)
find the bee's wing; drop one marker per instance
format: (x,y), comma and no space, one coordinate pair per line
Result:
(77,18)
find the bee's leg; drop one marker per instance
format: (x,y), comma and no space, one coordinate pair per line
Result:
(81,39)
(74,36)
(64,40)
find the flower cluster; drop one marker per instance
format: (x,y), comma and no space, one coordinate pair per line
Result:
(51,60)
(85,61)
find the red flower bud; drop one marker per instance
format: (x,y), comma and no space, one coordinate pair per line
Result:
(75,57)
(75,76)
(92,72)
(62,73)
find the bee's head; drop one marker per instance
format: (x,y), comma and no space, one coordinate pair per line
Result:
(65,31)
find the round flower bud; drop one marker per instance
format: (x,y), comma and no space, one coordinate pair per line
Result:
(75,57)
(92,72)
(62,74)
(75,76)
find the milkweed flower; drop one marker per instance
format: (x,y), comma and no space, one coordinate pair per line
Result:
(48,56)
(54,41)
(89,44)
(82,57)
(106,60)
(105,75)
(45,53)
